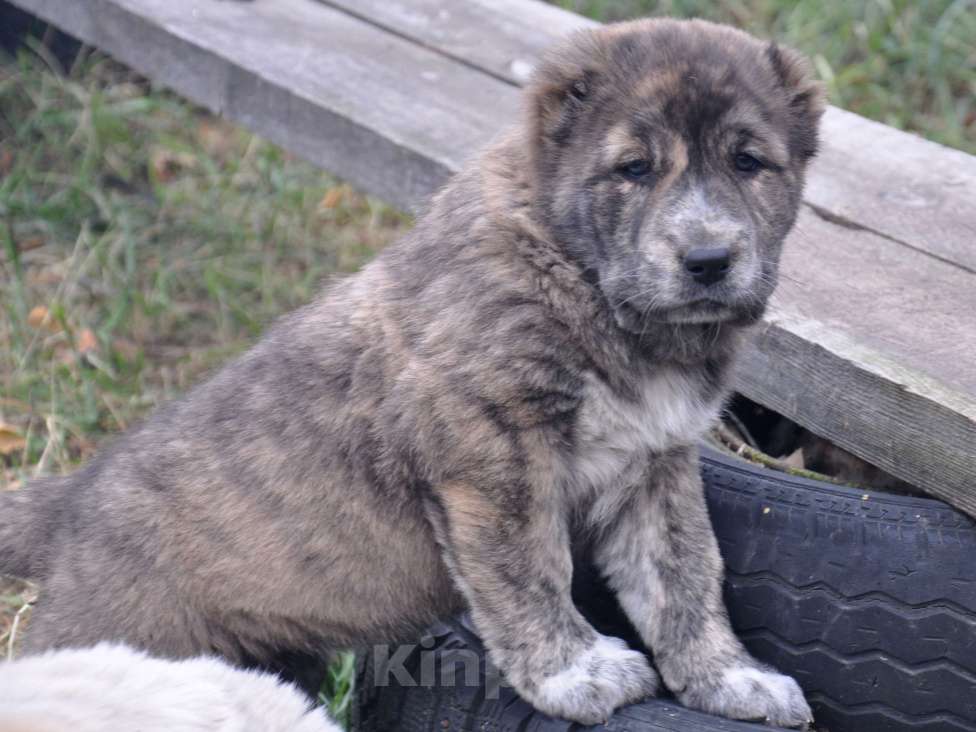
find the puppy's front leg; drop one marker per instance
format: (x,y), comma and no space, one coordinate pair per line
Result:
(514,568)
(660,555)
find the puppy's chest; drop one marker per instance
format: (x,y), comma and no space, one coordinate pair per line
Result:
(615,434)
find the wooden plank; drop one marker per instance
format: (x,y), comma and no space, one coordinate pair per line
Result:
(868,175)
(502,37)
(884,370)
(908,189)
(296,72)
(901,421)
(397,118)
(894,300)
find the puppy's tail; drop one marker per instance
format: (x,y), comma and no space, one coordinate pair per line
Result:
(29,517)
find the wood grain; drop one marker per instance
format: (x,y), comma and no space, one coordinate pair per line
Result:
(872,337)
(389,116)
(869,176)
(883,371)
(910,190)
(501,37)
(897,301)
(803,368)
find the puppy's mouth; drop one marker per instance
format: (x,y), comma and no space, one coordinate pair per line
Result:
(700,311)
(631,318)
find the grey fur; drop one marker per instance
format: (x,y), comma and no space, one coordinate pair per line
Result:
(530,361)
(678,612)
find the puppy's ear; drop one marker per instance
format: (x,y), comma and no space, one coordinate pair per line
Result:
(807,98)
(561,88)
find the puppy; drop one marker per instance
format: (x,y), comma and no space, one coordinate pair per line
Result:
(531,367)
(113,687)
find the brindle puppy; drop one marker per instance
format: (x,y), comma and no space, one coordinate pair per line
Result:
(532,365)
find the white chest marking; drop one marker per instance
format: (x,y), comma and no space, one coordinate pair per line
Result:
(614,434)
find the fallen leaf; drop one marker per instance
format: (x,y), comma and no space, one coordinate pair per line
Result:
(37,316)
(30,242)
(166,164)
(11,440)
(40,317)
(217,139)
(333,197)
(6,161)
(86,341)
(796,459)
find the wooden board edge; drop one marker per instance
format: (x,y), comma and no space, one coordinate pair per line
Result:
(841,390)
(398,173)
(926,197)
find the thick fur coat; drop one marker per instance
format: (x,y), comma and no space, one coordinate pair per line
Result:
(111,687)
(528,370)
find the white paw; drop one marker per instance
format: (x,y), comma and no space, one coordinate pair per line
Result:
(749,692)
(606,676)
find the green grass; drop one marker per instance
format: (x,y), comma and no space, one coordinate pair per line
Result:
(908,63)
(157,239)
(338,689)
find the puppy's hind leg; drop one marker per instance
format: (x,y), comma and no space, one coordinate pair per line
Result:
(661,557)
(515,573)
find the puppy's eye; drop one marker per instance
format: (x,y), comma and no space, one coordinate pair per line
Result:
(746,163)
(635,169)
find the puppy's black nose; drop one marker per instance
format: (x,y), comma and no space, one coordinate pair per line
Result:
(708,266)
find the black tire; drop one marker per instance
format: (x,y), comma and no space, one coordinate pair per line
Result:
(450,705)
(869,600)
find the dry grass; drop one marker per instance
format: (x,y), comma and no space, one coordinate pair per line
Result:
(16,598)
(143,241)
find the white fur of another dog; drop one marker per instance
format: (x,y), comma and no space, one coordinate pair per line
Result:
(112,687)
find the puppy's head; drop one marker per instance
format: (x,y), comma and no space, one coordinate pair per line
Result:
(669,156)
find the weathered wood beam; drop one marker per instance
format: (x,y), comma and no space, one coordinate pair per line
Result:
(391,117)
(868,175)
